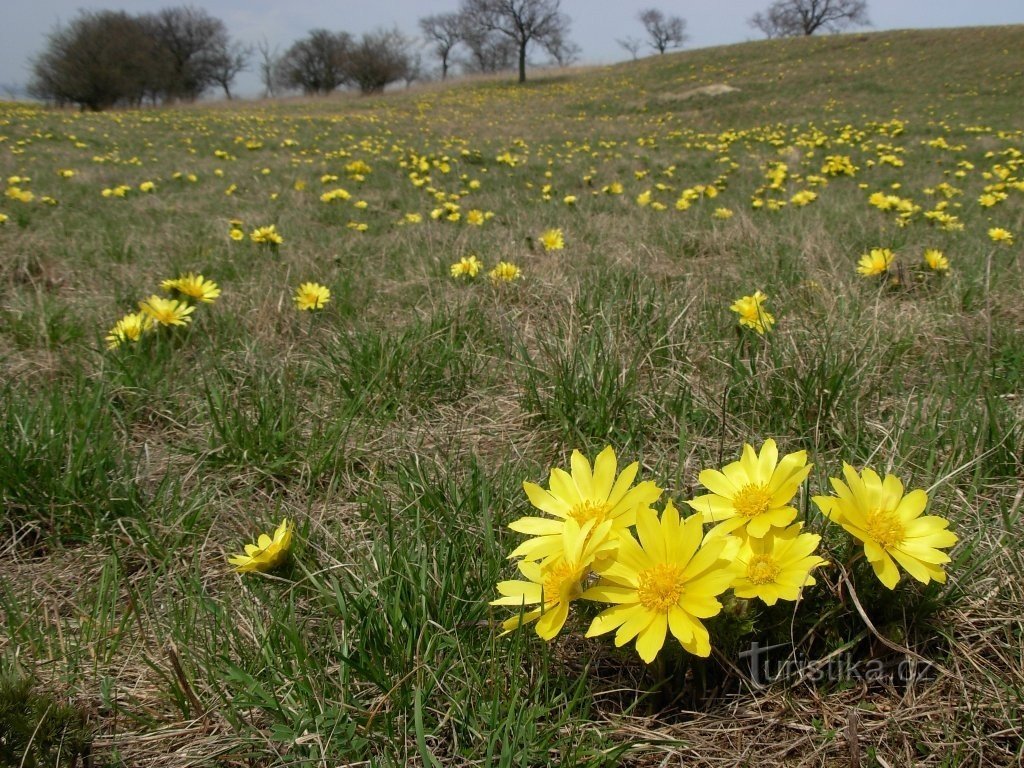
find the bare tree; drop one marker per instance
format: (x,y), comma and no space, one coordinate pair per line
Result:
(664,31)
(193,43)
(632,46)
(444,31)
(227,64)
(564,52)
(316,63)
(268,67)
(524,22)
(487,52)
(377,60)
(791,18)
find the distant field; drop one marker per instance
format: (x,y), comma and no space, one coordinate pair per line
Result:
(396,425)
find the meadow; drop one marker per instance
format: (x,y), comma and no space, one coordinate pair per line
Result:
(395,424)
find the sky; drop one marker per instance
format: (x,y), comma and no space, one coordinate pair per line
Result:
(595,27)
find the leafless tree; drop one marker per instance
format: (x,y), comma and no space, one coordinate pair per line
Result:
(268,67)
(632,46)
(524,22)
(664,31)
(227,64)
(194,44)
(377,60)
(791,18)
(316,63)
(444,32)
(486,51)
(563,52)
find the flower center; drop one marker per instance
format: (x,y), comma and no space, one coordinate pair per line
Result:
(752,500)
(660,587)
(884,526)
(590,510)
(561,583)
(762,569)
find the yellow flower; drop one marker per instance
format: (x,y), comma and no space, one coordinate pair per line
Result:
(877,262)
(936,261)
(312,296)
(556,582)
(128,328)
(413,218)
(890,525)
(3,218)
(236,234)
(722,213)
(1000,235)
(166,311)
(752,312)
(584,495)
(267,553)
(195,286)
(147,186)
(754,492)
(268,235)
(505,272)
(475,217)
(467,266)
(777,566)
(569,199)
(552,240)
(669,582)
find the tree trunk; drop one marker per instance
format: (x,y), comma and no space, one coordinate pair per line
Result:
(444,68)
(522,62)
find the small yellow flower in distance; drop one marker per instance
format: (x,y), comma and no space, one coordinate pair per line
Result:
(362,205)
(3,218)
(66,173)
(752,312)
(266,235)
(128,328)
(753,493)
(877,262)
(505,272)
(194,286)
(722,213)
(312,296)
(147,186)
(1000,235)
(236,234)
(166,311)
(569,199)
(552,240)
(890,525)
(936,261)
(669,580)
(413,218)
(475,217)
(467,266)
(267,553)
(777,566)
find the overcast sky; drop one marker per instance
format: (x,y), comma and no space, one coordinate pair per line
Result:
(596,24)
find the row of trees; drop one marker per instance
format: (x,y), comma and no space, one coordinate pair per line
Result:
(105,58)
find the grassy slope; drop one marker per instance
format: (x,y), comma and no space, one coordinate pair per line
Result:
(397,427)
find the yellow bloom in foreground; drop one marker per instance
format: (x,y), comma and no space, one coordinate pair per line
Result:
(1000,235)
(128,328)
(753,492)
(556,582)
(777,566)
(877,262)
(505,272)
(552,240)
(268,235)
(195,286)
(467,266)
(936,261)
(166,311)
(312,296)
(267,553)
(890,525)
(753,313)
(584,495)
(668,581)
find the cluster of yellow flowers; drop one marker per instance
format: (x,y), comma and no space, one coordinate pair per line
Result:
(879,261)
(159,311)
(601,540)
(470,266)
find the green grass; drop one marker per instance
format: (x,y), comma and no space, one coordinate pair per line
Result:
(396,427)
